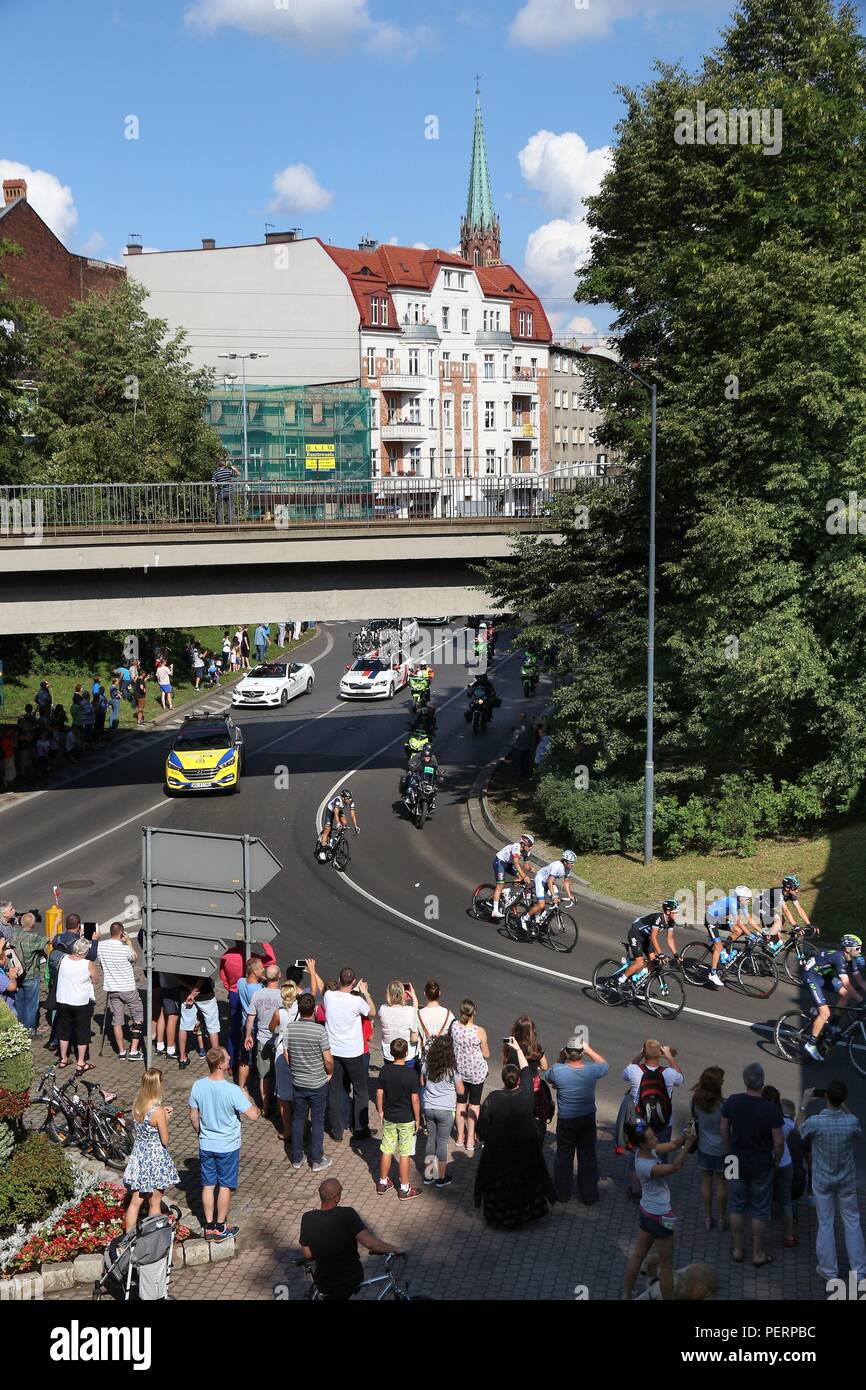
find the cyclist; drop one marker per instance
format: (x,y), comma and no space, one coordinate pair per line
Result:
(546,882)
(833,968)
(331,1236)
(731,912)
(510,860)
(337,812)
(643,937)
(772,905)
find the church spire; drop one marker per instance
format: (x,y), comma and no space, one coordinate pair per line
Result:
(479,229)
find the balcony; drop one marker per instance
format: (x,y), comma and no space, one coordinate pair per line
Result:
(403,429)
(428,331)
(523,382)
(493,338)
(402,381)
(524,429)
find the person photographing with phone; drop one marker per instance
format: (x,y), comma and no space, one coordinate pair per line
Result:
(656,1217)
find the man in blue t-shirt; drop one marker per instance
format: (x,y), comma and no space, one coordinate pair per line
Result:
(575,1079)
(216,1107)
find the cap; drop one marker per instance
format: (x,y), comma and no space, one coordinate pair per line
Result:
(576,1043)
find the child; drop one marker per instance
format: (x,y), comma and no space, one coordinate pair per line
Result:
(150,1169)
(399,1105)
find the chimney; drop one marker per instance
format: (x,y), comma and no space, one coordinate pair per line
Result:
(133,248)
(13,189)
(208,243)
(273,238)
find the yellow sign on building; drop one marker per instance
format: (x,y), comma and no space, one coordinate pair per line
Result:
(320,458)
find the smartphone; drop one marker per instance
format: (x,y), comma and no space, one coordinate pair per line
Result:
(820,1094)
(89,930)
(300,965)
(407,987)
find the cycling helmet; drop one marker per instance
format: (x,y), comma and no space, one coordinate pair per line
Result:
(568,856)
(742,892)
(526,839)
(790,881)
(670,905)
(347,793)
(851,943)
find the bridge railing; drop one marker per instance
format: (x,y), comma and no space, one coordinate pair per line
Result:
(117,509)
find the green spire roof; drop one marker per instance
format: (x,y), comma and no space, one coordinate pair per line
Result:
(479,204)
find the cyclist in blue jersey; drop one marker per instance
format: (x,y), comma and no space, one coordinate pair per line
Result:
(733,912)
(833,970)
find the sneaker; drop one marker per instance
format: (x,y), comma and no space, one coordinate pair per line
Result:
(226,1233)
(170,1052)
(136,1056)
(408,1194)
(428,1182)
(209,1232)
(813,1052)
(160,1047)
(202,1052)
(182,1063)
(298,1166)
(383,1186)
(122,1056)
(715,981)
(322,1164)
(496,915)
(444,1182)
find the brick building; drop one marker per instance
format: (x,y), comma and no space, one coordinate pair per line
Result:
(47,272)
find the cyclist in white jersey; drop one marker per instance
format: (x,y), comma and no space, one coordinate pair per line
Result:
(510,860)
(546,881)
(337,812)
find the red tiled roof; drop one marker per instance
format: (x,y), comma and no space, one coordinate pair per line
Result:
(503,282)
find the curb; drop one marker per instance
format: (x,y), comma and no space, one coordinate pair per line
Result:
(87,1269)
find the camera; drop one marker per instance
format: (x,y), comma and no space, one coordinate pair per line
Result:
(36,913)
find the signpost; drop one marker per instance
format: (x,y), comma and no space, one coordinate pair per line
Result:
(198,901)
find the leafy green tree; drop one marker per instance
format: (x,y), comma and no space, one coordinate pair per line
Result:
(12,357)
(738,278)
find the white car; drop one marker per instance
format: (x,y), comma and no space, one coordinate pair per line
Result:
(374,678)
(273,683)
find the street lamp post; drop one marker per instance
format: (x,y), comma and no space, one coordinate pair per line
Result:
(243,357)
(649,768)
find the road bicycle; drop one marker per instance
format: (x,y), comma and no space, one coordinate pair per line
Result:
(793,1030)
(552,926)
(392,1287)
(795,951)
(336,851)
(365,640)
(481,906)
(752,966)
(659,986)
(90,1120)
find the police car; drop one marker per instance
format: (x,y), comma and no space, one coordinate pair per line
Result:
(207,754)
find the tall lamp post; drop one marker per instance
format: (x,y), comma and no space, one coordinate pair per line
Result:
(243,358)
(649,770)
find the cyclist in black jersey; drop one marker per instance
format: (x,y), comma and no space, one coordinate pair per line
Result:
(773,908)
(643,937)
(833,970)
(337,812)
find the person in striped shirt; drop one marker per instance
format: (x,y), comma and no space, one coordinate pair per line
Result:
(222,481)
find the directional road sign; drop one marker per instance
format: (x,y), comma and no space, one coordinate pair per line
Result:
(208,924)
(191,947)
(198,900)
(188,857)
(183,965)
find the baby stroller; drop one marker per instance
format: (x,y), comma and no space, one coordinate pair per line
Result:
(138,1266)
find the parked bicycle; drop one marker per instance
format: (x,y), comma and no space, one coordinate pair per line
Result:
(751,965)
(392,1287)
(658,985)
(89,1120)
(336,851)
(552,926)
(793,1030)
(481,906)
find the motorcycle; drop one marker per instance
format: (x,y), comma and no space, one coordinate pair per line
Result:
(479,713)
(529,676)
(420,698)
(420,797)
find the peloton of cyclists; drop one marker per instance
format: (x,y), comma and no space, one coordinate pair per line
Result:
(337,812)
(732,912)
(511,861)
(546,881)
(833,970)
(643,938)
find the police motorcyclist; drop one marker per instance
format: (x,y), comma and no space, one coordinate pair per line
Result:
(419,683)
(424,721)
(419,759)
(529,667)
(483,686)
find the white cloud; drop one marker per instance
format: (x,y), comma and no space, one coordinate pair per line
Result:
(313,24)
(546,24)
(93,245)
(553,253)
(49,197)
(565,324)
(420,246)
(298,190)
(563,169)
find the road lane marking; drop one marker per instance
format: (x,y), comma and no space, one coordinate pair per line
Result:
(121,825)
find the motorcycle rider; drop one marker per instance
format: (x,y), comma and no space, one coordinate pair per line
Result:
(419,683)
(483,686)
(424,721)
(422,756)
(529,668)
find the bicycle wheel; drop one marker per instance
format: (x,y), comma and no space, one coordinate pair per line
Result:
(666,995)
(790,962)
(112,1140)
(57,1126)
(790,1035)
(696,963)
(513,916)
(756,974)
(857,1046)
(482,901)
(341,855)
(605,982)
(561,931)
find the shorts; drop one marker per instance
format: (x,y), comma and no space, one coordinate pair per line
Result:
(165,689)
(219,1170)
(170,1003)
(472,1092)
(711,1163)
(119,1002)
(398,1138)
(755,1191)
(714,928)
(659,1227)
(266,1055)
(815,985)
(502,870)
(283,1077)
(330,818)
(639,944)
(209,1011)
(540,884)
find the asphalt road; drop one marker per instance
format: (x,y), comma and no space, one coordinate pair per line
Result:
(400,910)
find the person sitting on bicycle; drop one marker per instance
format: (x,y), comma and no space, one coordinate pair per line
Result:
(833,969)
(732,912)
(643,937)
(546,882)
(510,860)
(771,906)
(337,812)
(331,1236)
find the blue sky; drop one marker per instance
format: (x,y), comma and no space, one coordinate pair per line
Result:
(330,98)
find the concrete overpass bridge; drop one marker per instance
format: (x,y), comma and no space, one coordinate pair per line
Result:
(135,556)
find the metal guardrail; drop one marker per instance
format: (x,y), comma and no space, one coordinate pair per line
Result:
(33,513)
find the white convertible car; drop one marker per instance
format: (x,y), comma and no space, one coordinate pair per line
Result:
(273,683)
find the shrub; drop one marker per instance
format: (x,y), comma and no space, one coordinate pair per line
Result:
(36,1179)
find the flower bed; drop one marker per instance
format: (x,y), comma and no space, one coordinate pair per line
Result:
(85,1227)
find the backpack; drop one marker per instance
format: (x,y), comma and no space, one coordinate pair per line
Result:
(542,1103)
(653,1102)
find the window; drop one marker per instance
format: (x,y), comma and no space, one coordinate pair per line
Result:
(449,462)
(413,458)
(534,460)
(431,361)
(533,367)
(488,366)
(556,399)
(518,367)
(389,360)
(467,375)
(385,313)
(574,432)
(448,279)
(374,309)
(414,410)
(557,432)
(446,365)
(574,367)
(446,319)
(490,415)
(466,419)
(467,463)
(477,256)
(581,435)
(461,280)
(374,462)
(464,320)
(432,413)
(414,361)
(432,462)
(557,363)
(371,364)
(374,411)
(525,323)
(318,410)
(575,400)
(447,412)
(390,456)
(490,461)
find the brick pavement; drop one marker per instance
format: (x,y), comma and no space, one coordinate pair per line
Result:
(453,1254)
